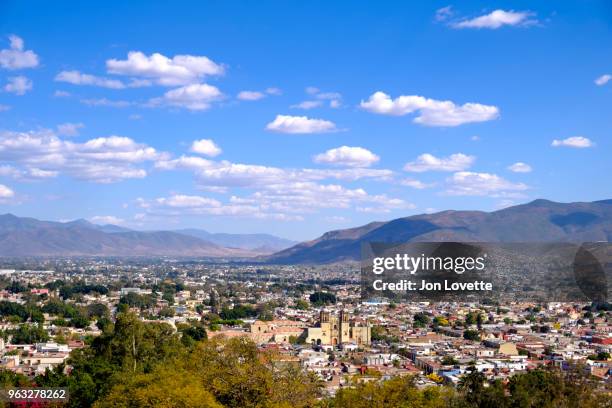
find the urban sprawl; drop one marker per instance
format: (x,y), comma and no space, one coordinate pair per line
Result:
(311,316)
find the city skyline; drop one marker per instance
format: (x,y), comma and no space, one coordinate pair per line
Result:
(296,122)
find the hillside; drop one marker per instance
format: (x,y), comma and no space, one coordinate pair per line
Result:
(537,221)
(32,237)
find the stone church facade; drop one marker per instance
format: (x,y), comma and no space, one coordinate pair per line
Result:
(339,329)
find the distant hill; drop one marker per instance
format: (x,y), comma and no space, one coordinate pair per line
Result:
(261,243)
(31,237)
(537,221)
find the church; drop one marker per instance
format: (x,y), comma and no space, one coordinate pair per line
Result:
(339,329)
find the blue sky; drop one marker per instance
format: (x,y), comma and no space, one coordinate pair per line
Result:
(296,118)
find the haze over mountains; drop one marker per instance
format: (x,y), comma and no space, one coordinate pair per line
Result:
(539,220)
(20,236)
(264,243)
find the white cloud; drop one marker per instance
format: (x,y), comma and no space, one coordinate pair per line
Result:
(419,185)
(602,80)
(196,97)
(251,95)
(334,98)
(347,156)
(300,125)
(578,142)
(281,202)
(520,167)
(107,219)
(35,173)
(328,95)
(69,129)
(43,154)
(206,147)
(106,102)
(61,94)
(78,78)
(185,162)
(6,192)
(15,57)
(18,85)
(279,193)
(429,162)
(307,105)
(467,183)
(444,13)
(497,19)
(187,201)
(226,174)
(27,174)
(179,70)
(430,112)
(274,91)
(4,108)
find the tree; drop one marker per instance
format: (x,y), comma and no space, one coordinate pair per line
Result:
(470,319)
(602,355)
(441,321)
(238,312)
(11,379)
(471,335)
(165,387)
(197,333)
(301,304)
(29,334)
(322,298)
(13,309)
(135,300)
(97,310)
(479,320)
(472,385)
(166,312)
(394,393)
(420,320)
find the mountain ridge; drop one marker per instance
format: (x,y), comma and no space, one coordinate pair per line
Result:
(538,220)
(25,236)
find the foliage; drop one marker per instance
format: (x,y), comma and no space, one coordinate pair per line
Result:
(29,334)
(322,298)
(238,312)
(23,313)
(301,304)
(420,320)
(135,300)
(471,335)
(166,387)
(11,379)
(138,364)
(67,291)
(394,393)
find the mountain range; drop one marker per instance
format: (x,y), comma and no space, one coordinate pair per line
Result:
(20,236)
(262,243)
(537,221)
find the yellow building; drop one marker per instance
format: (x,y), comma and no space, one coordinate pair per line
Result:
(338,329)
